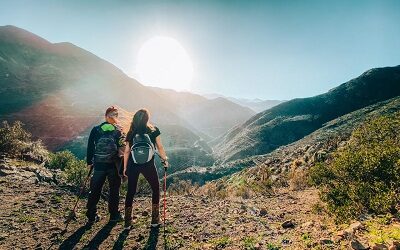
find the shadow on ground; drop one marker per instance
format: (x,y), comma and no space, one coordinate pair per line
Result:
(74,238)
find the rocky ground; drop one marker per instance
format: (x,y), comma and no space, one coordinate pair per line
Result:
(34,206)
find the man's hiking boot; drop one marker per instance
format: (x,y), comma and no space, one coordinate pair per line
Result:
(128,218)
(116,217)
(155,215)
(93,220)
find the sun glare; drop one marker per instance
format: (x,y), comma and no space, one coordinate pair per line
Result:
(163,62)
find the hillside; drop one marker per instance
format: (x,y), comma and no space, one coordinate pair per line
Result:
(59,90)
(212,117)
(319,142)
(294,119)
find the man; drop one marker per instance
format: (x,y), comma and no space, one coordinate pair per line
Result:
(102,154)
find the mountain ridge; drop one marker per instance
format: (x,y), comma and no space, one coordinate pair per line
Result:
(291,120)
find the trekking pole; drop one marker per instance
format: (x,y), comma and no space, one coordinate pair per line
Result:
(165,191)
(72,215)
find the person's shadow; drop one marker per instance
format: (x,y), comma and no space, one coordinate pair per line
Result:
(151,243)
(119,244)
(74,238)
(100,236)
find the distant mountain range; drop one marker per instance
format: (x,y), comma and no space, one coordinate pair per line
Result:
(256,104)
(210,116)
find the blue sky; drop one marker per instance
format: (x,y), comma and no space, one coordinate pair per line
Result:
(250,49)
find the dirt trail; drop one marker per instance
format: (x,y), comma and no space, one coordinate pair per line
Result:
(32,216)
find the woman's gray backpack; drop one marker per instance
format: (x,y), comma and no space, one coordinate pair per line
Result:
(142,149)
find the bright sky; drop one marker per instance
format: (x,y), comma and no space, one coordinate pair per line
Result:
(249,49)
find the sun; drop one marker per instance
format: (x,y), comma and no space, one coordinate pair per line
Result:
(163,62)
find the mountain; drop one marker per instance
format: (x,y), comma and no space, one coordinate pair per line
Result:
(294,119)
(257,105)
(60,91)
(211,117)
(305,150)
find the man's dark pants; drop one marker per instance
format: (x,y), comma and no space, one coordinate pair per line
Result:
(100,173)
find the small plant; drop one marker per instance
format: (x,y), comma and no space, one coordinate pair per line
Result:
(271,246)
(384,219)
(380,232)
(56,199)
(249,243)
(25,218)
(221,242)
(306,238)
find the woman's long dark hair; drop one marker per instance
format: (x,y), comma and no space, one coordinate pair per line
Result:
(140,123)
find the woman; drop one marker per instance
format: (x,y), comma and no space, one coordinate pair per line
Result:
(140,125)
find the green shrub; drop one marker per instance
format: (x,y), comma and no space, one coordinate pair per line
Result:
(75,172)
(364,175)
(16,142)
(60,160)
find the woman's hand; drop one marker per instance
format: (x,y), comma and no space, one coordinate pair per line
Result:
(163,155)
(126,158)
(124,174)
(165,164)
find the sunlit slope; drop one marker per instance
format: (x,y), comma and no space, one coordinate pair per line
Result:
(292,120)
(59,90)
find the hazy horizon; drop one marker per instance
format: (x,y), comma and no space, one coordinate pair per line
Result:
(266,50)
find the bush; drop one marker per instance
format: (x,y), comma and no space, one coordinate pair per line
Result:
(364,175)
(16,142)
(75,172)
(60,160)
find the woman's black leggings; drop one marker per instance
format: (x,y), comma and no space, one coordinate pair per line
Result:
(149,172)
